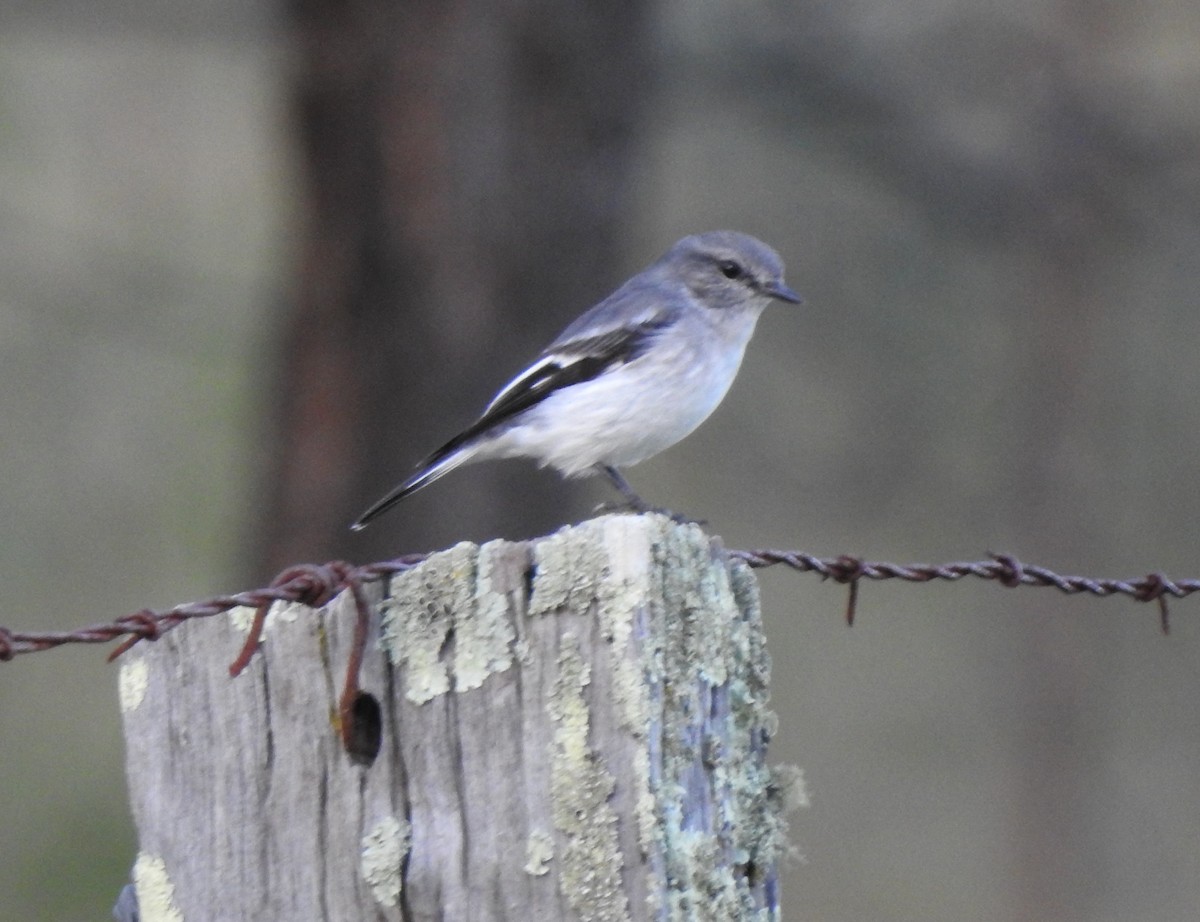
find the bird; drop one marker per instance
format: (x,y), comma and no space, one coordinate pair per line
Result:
(631,376)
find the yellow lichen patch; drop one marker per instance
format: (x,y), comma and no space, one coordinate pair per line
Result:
(448,622)
(569,565)
(590,864)
(384,849)
(624,602)
(242,616)
(155,892)
(539,852)
(484,636)
(132,680)
(623,611)
(418,617)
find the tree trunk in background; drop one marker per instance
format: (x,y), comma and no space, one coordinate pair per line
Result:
(466,179)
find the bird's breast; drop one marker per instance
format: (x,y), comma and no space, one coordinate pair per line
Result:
(632,412)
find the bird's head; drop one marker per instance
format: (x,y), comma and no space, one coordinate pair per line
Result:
(728,269)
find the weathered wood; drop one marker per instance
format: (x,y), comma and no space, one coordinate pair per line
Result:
(573,728)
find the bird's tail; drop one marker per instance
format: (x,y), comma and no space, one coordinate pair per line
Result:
(438,465)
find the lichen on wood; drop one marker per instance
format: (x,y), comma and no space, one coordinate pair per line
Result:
(574,728)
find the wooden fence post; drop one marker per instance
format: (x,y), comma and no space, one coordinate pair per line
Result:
(574,728)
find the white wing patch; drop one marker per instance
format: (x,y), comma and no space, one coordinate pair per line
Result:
(531,374)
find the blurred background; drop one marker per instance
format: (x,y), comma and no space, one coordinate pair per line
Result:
(257,259)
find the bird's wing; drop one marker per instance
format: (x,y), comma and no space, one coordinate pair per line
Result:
(613,332)
(571,362)
(617,330)
(566,362)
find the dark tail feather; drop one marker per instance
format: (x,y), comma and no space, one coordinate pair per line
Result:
(429,472)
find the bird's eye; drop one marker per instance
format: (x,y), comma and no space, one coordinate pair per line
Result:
(730,269)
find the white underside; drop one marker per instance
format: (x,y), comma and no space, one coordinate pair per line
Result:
(635,411)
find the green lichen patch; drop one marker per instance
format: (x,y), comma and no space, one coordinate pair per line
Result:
(717,826)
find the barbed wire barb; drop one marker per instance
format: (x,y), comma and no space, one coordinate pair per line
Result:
(316,584)
(1005,569)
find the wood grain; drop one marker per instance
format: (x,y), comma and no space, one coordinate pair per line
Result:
(574,728)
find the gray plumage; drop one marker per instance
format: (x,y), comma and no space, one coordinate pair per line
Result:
(630,377)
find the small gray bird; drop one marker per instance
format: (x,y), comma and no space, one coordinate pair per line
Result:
(632,376)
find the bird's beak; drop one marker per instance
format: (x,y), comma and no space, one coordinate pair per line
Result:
(783,293)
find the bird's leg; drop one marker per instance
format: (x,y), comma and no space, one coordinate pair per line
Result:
(633,502)
(617,479)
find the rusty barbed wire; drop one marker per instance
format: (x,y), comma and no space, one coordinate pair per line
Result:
(303,583)
(1002,568)
(317,584)
(310,584)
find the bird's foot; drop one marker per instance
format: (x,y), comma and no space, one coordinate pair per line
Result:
(633,502)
